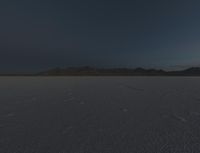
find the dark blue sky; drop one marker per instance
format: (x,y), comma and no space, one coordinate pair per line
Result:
(40,34)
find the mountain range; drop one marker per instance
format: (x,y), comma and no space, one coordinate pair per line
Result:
(91,71)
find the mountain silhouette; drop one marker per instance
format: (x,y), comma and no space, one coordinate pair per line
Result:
(92,71)
(87,70)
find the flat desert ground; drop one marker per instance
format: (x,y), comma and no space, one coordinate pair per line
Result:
(99,114)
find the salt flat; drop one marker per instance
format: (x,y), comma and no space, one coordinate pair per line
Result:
(99,114)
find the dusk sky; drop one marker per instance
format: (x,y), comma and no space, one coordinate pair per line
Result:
(41,34)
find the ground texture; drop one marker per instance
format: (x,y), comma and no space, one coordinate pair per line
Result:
(99,115)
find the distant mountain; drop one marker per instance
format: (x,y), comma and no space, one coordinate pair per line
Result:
(193,71)
(101,71)
(91,71)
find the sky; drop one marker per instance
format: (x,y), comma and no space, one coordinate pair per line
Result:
(41,34)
